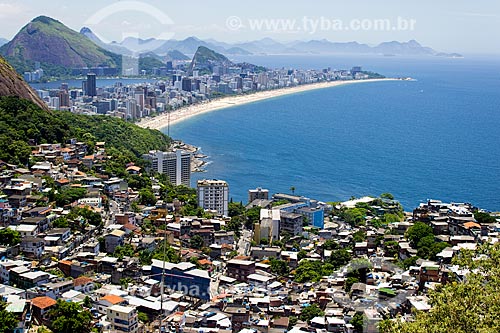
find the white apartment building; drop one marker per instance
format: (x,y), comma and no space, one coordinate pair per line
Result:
(213,195)
(175,164)
(123,318)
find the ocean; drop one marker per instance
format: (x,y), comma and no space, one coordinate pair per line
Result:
(437,137)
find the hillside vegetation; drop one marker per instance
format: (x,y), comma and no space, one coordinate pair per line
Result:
(22,121)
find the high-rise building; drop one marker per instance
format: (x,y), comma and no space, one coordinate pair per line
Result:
(213,195)
(63,98)
(175,164)
(91,85)
(186,84)
(258,193)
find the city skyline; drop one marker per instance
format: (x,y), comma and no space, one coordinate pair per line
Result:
(448,26)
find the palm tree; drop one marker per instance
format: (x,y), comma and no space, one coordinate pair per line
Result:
(292,188)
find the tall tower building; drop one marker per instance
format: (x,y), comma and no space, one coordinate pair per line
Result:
(213,195)
(91,85)
(175,164)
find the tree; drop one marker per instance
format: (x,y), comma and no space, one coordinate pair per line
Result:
(301,255)
(484,218)
(418,231)
(387,195)
(358,322)
(146,197)
(60,222)
(142,317)
(8,320)
(312,271)
(310,312)
(339,258)
(391,248)
(253,216)
(359,236)
(9,237)
(235,224)
(87,302)
(469,306)
(126,250)
(292,189)
(353,216)
(196,242)
(279,267)
(235,209)
(70,317)
(69,195)
(330,244)
(349,282)
(166,253)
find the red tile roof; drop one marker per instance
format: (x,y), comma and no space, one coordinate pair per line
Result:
(43,302)
(113,299)
(81,281)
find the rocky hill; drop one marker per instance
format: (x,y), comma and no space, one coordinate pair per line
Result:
(56,47)
(11,84)
(206,59)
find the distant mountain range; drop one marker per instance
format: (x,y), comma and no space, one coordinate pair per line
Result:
(58,48)
(264,46)
(3,41)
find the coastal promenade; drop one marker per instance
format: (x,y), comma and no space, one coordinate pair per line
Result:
(183,113)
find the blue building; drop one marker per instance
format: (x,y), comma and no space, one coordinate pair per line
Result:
(183,277)
(315,216)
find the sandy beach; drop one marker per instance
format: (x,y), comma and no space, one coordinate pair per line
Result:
(187,112)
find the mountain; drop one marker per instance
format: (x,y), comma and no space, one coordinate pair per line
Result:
(237,51)
(3,41)
(187,46)
(115,48)
(11,84)
(176,55)
(206,59)
(56,47)
(411,47)
(139,45)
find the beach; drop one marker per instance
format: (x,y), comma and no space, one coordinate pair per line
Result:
(175,116)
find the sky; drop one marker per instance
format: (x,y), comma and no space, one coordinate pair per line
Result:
(462,26)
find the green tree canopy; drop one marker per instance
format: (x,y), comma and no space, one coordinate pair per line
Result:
(310,312)
(9,237)
(146,197)
(196,242)
(69,317)
(418,231)
(279,267)
(8,320)
(484,218)
(353,216)
(126,250)
(462,307)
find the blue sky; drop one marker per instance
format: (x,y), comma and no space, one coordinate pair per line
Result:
(447,25)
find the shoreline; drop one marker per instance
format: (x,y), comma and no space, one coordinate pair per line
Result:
(161,121)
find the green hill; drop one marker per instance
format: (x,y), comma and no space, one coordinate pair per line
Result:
(21,121)
(206,59)
(56,47)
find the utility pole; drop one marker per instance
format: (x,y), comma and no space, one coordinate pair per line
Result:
(162,285)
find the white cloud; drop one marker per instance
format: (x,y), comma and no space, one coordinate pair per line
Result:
(9,9)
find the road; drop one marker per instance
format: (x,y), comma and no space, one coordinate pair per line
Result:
(244,243)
